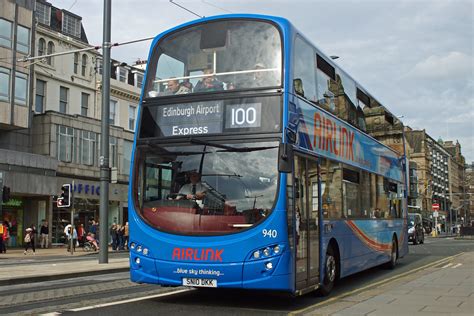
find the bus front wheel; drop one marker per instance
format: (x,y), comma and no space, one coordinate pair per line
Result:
(330,272)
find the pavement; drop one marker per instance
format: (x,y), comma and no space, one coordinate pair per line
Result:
(445,287)
(53,264)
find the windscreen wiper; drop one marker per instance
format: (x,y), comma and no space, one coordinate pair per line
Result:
(229,148)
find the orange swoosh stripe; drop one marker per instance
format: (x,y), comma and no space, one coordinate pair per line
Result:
(370,242)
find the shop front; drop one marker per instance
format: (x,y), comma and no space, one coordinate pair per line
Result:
(86,207)
(12,216)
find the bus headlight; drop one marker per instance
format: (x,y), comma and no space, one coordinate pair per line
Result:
(132,245)
(137,260)
(266,252)
(269,265)
(256,254)
(139,248)
(276,249)
(145,251)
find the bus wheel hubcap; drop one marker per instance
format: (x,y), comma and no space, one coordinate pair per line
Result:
(394,253)
(331,268)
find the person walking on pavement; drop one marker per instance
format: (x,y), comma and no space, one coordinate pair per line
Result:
(2,232)
(5,237)
(113,235)
(94,230)
(125,235)
(30,239)
(81,235)
(120,232)
(44,235)
(67,231)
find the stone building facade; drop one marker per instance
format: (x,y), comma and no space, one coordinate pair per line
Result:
(468,201)
(457,181)
(61,126)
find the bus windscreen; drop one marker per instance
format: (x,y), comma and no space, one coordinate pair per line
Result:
(207,187)
(216,56)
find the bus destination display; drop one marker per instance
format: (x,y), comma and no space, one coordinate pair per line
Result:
(210,117)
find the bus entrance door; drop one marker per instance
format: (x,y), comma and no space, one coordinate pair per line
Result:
(306,210)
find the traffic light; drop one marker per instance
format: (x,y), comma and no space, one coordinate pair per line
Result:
(65,199)
(5,194)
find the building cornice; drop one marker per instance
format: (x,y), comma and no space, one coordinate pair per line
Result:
(124,94)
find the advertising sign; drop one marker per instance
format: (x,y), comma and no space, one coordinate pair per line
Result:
(333,138)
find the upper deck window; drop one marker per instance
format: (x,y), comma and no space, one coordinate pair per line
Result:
(216,56)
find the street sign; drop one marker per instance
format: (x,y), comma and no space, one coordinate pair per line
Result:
(435,207)
(435,214)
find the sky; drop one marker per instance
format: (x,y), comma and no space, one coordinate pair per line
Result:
(414,56)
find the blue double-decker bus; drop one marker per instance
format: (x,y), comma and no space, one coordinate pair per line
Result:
(251,167)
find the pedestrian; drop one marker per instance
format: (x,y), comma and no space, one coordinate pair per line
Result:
(125,235)
(29,240)
(6,236)
(2,232)
(81,235)
(44,235)
(70,235)
(95,230)
(113,235)
(120,240)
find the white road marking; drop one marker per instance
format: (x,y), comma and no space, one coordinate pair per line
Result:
(448,265)
(458,265)
(126,301)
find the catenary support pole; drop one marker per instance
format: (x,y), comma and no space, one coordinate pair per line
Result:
(104,146)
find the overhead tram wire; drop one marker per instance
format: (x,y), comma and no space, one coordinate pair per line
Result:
(215,6)
(97,47)
(171,1)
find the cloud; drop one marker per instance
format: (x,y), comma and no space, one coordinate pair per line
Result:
(416,57)
(453,65)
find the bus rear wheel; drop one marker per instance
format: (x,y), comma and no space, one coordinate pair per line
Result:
(393,255)
(330,272)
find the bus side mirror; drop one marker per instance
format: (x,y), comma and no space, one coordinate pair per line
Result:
(285,158)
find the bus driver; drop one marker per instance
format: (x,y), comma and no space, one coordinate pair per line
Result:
(194,190)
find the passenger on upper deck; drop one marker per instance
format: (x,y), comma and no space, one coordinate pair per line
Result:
(173,87)
(209,83)
(194,190)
